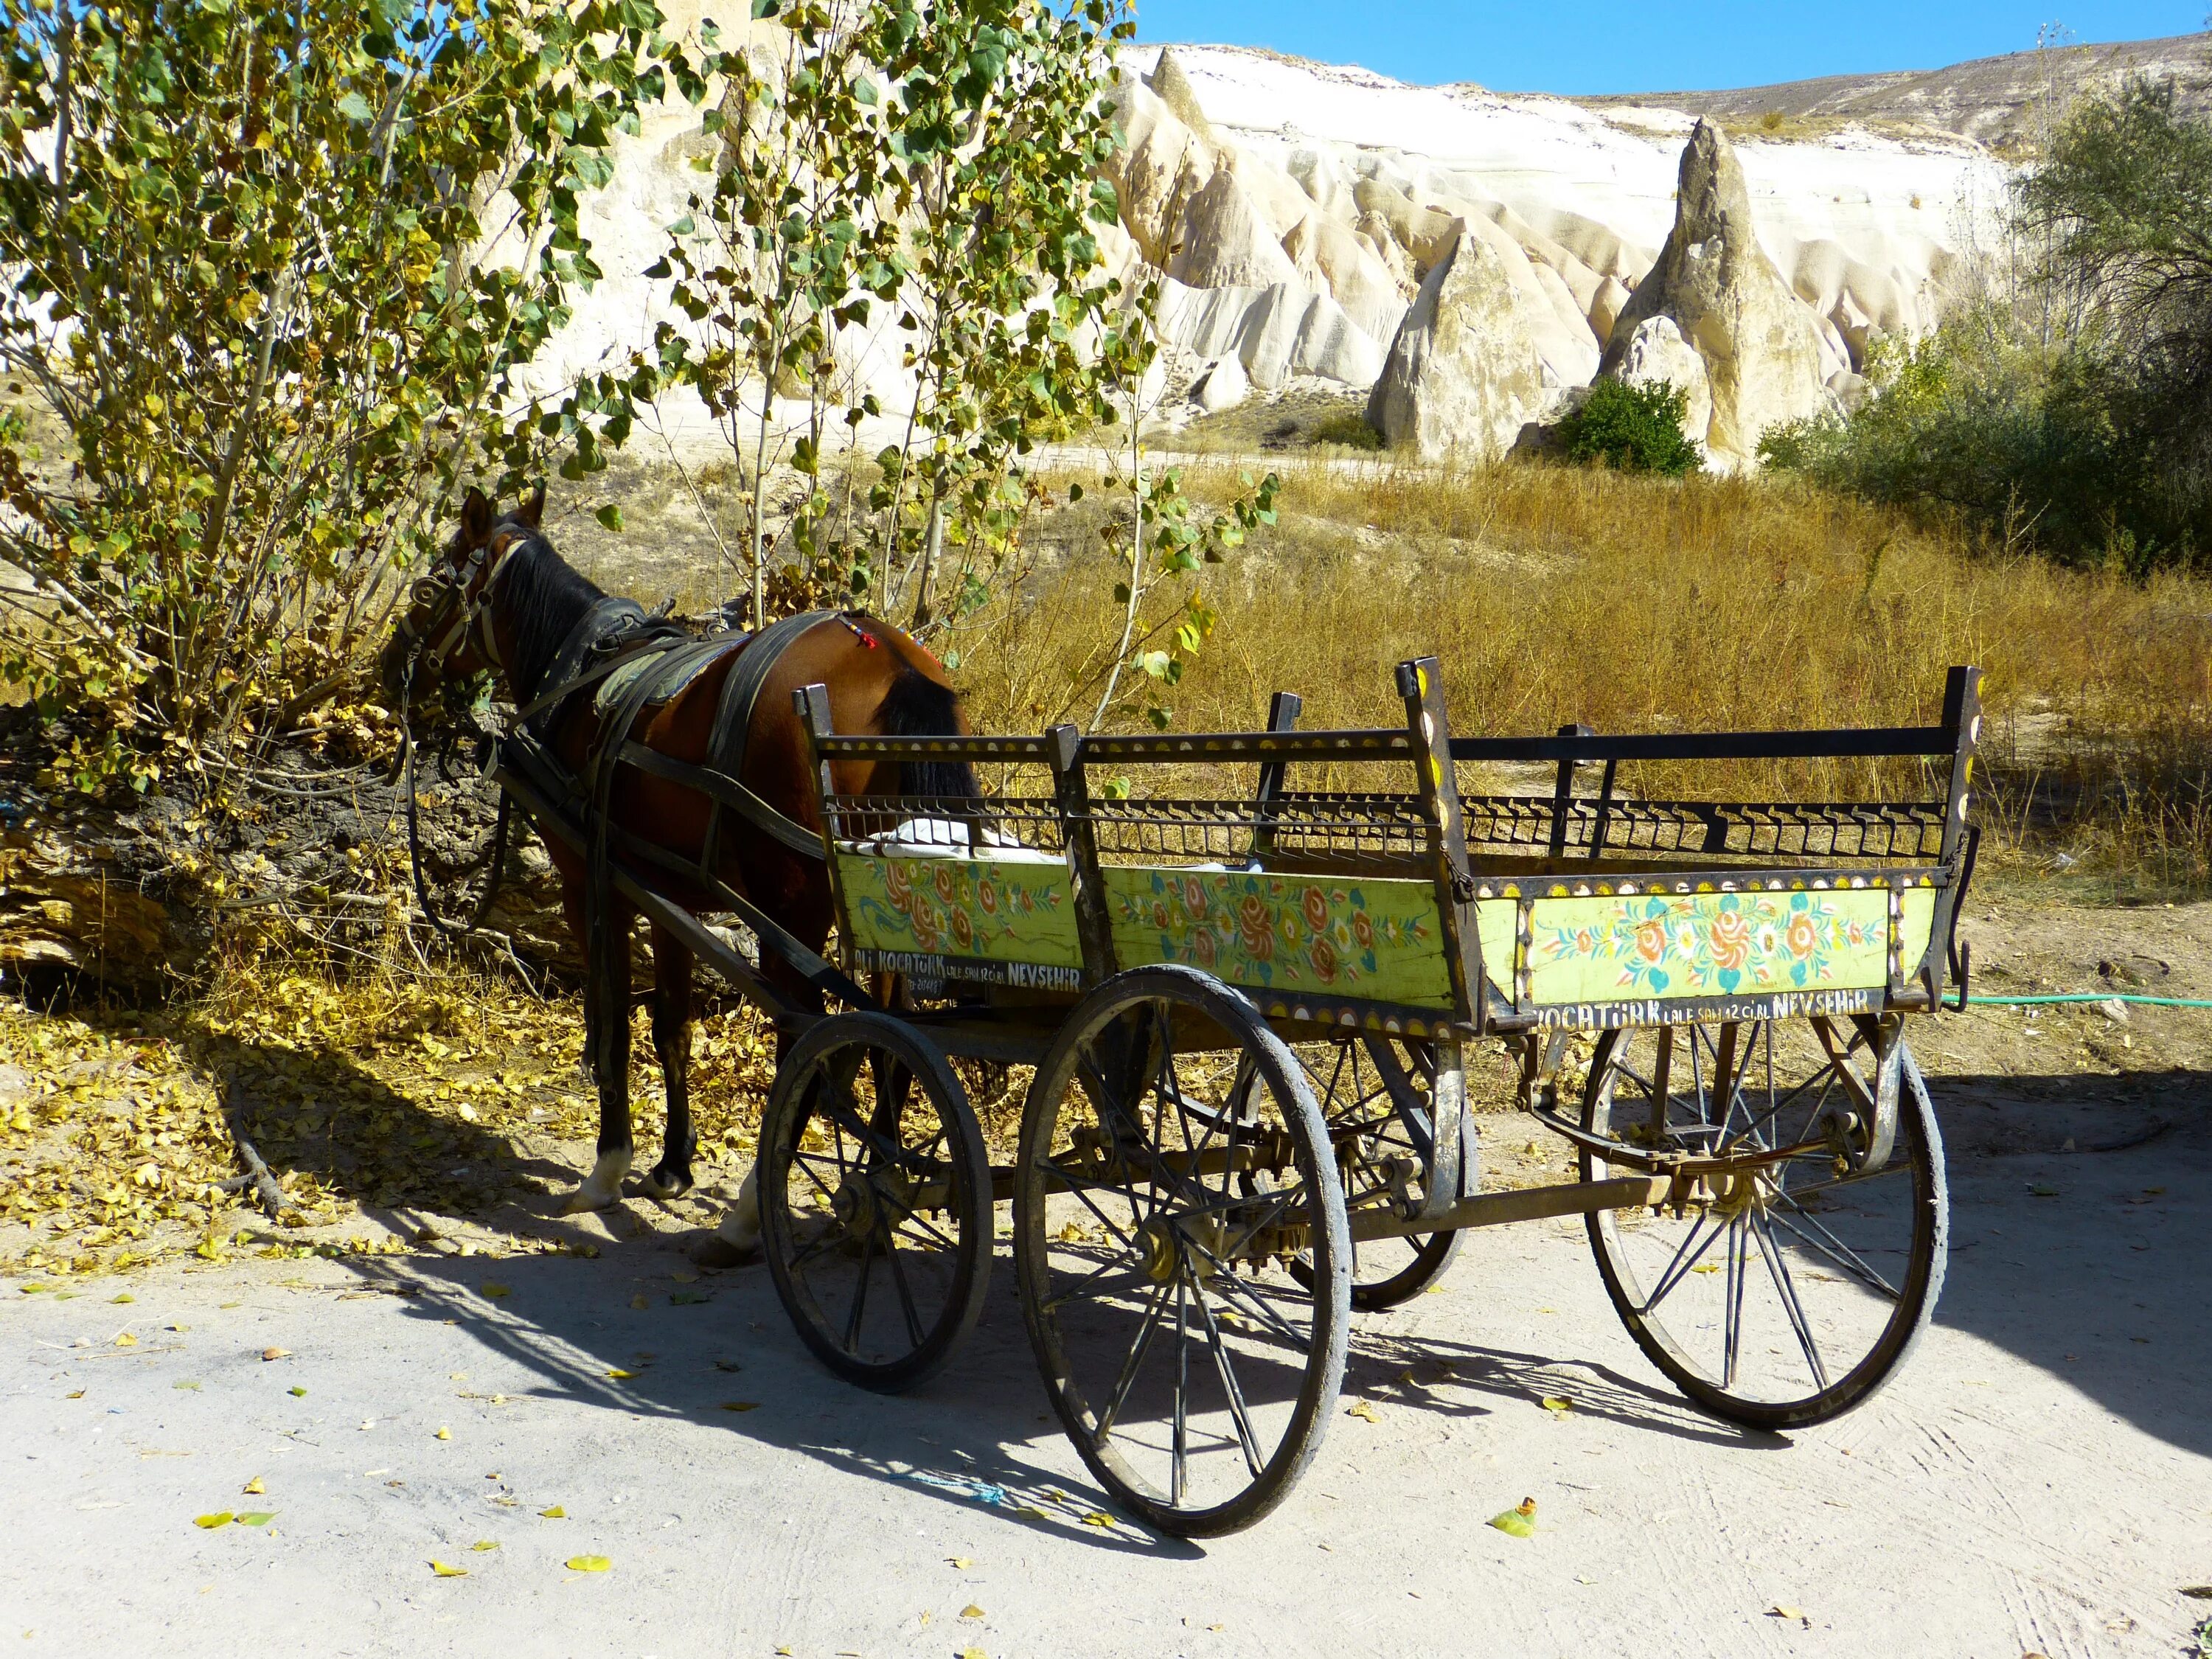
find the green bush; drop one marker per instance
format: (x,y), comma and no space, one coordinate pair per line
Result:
(1348,427)
(1631,429)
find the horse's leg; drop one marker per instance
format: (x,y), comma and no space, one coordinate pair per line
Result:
(672,1041)
(606,993)
(738,1239)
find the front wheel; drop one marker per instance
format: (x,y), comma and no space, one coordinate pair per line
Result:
(875,1201)
(1174,1165)
(1797,1276)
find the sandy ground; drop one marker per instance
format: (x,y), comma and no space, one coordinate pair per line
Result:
(2038,1480)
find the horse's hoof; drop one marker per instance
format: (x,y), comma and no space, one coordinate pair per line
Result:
(664,1184)
(585,1201)
(716,1254)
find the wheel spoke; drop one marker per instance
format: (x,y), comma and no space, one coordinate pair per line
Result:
(1841,1254)
(860,1293)
(1180,1480)
(1244,1435)
(905,1294)
(1785,1287)
(1077,1184)
(1131,1361)
(1685,1259)
(1732,1314)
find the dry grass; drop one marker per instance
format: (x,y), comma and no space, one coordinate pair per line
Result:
(1553,594)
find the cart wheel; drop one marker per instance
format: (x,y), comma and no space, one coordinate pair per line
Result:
(875,1201)
(1792,1287)
(1379,1158)
(1195,1378)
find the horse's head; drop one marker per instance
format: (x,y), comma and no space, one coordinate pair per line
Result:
(447,633)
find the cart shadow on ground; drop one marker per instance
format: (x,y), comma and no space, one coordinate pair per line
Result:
(2087,1264)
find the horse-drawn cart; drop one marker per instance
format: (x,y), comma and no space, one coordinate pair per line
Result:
(1250,1021)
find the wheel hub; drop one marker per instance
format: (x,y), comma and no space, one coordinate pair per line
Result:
(854,1204)
(1159,1252)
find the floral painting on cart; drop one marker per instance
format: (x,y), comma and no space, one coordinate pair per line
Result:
(1376,941)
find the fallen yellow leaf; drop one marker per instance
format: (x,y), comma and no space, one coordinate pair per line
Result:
(1783,1610)
(483,1544)
(589,1563)
(960,1561)
(1518,1521)
(253,1487)
(127,1340)
(973,1653)
(297,1392)
(443,1434)
(1363,1409)
(495,1292)
(1558,1403)
(444,1570)
(74,1394)
(638,1302)
(1097,1519)
(256,1517)
(276,1353)
(220,1518)
(556,1513)
(620,1375)
(125,1296)
(971,1610)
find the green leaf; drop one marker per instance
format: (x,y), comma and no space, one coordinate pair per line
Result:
(355,107)
(610,517)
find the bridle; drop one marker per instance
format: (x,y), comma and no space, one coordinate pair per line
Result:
(458,599)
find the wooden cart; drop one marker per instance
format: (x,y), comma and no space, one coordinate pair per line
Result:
(1251,1021)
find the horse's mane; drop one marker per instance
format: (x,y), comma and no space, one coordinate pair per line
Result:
(544,597)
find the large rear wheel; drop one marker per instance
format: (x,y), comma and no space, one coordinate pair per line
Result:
(1793,1284)
(1173,1164)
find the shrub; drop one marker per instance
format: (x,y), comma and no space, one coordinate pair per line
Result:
(1631,429)
(1348,427)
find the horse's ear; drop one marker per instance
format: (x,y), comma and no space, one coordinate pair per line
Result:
(532,508)
(475,517)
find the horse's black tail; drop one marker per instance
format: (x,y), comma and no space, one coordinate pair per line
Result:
(918,707)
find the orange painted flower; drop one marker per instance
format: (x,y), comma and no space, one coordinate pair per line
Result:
(1194,895)
(895,884)
(1363,930)
(1203,949)
(1651,942)
(1255,926)
(987,895)
(1322,954)
(1731,939)
(947,882)
(1802,936)
(1314,903)
(963,929)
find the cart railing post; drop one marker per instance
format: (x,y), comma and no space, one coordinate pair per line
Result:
(1282,716)
(1094,928)
(1962,727)
(1563,792)
(1421,685)
(812,703)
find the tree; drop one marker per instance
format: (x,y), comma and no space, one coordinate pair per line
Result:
(239,242)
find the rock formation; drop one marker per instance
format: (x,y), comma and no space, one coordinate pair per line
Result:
(1464,375)
(1760,344)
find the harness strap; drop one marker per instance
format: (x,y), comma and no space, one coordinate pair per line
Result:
(733,720)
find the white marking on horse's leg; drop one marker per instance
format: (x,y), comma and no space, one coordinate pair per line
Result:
(740,1226)
(603,1186)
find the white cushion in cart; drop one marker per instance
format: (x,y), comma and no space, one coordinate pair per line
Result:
(947,838)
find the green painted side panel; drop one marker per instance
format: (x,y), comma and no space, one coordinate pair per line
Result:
(976,908)
(1610,949)
(1493,929)
(1374,940)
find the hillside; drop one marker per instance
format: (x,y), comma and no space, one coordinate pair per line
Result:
(2001,101)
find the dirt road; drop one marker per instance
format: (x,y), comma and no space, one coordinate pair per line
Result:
(2039,1480)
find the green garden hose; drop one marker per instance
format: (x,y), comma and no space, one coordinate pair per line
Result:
(1976,1001)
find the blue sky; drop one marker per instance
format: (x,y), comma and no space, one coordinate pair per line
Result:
(1617,48)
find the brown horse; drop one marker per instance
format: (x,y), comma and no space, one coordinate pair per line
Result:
(501,600)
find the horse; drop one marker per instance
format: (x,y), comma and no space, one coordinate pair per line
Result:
(501,599)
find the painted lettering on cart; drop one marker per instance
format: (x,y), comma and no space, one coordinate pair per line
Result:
(1654,1011)
(1028,975)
